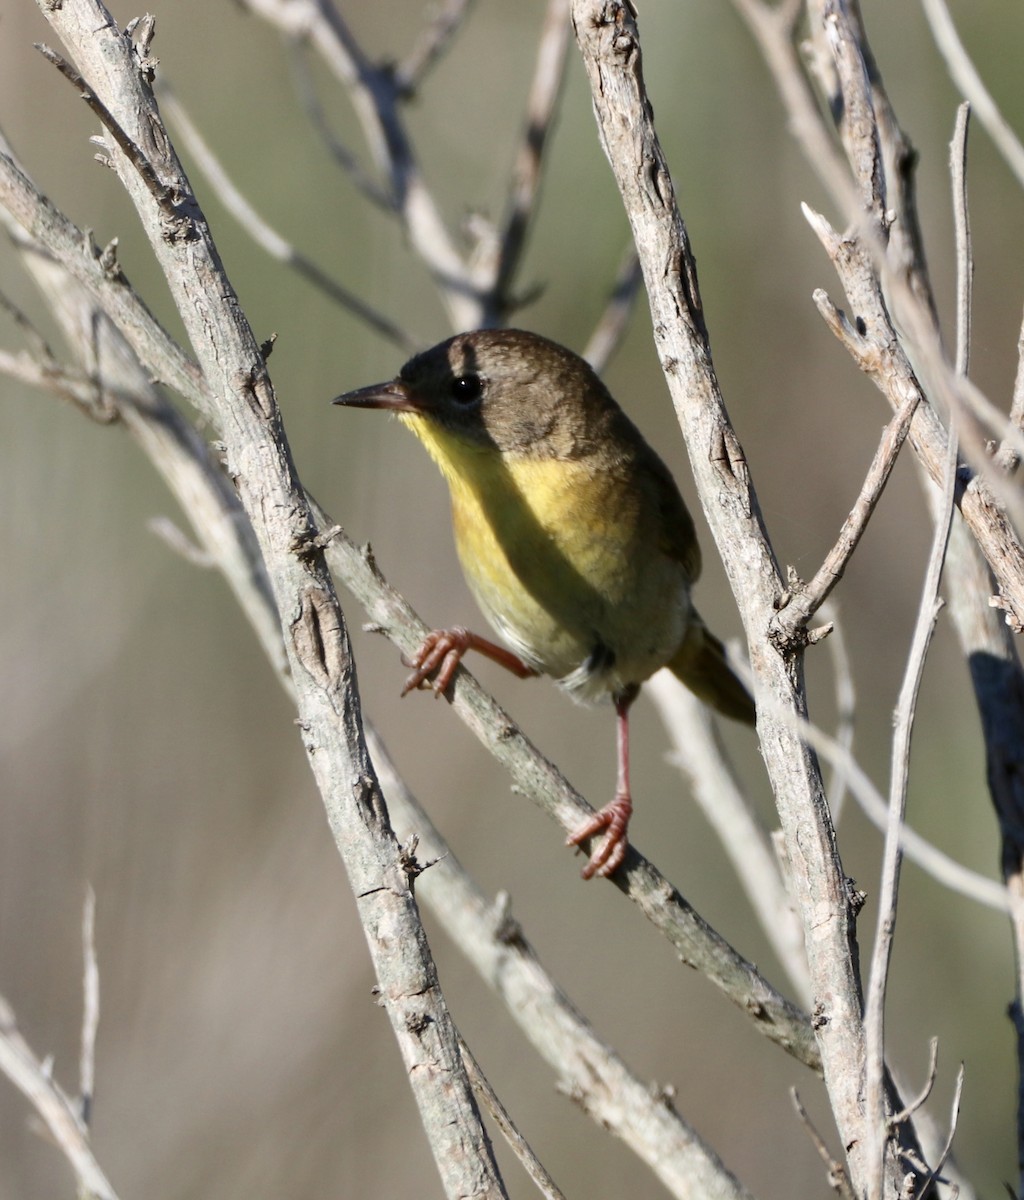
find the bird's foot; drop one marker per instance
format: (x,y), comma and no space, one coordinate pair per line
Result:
(608,856)
(441,652)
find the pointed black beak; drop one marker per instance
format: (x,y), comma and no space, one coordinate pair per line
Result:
(395,396)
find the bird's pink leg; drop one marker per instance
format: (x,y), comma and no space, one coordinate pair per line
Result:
(614,817)
(442,651)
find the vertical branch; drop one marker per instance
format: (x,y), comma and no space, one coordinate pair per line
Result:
(874,1018)
(998,684)
(609,41)
(90,1010)
(541,105)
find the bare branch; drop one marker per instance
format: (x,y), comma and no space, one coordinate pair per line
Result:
(90,1010)
(433,41)
(874,1018)
(964,249)
(315,635)
(589,1071)
(611,326)
(59,238)
(165,196)
(1007,457)
(838,1180)
(808,599)
(698,752)
(929,858)
(607,34)
(935,1172)
(921,1098)
(518,1144)
(57,1110)
(40,351)
(972,87)
(306,93)
(862,264)
(541,105)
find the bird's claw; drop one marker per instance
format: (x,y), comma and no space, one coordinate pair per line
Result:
(441,652)
(611,851)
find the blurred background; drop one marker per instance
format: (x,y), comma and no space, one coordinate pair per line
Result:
(147,750)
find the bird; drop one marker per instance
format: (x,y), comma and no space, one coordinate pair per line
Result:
(571,533)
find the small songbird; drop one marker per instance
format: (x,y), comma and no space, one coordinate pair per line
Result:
(571,533)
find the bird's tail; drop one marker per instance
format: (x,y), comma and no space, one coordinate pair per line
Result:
(701,664)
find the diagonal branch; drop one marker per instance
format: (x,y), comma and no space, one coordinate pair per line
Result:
(524,188)
(433,41)
(809,598)
(34,1081)
(609,41)
(965,75)
(315,636)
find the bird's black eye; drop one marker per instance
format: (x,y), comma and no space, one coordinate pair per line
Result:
(466,389)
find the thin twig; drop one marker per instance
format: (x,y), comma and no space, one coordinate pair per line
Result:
(376,100)
(68,383)
(167,198)
(921,1098)
(962,229)
(1009,455)
(808,599)
(524,187)
(305,90)
(972,87)
(611,326)
(933,861)
(38,346)
(697,750)
(838,1179)
(34,1081)
(90,1010)
(934,1173)
(874,1016)
(67,244)
(432,43)
(179,541)
(519,1145)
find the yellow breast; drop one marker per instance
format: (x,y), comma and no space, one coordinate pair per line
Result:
(564,560)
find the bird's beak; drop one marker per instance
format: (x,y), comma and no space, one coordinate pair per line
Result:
(395,396)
